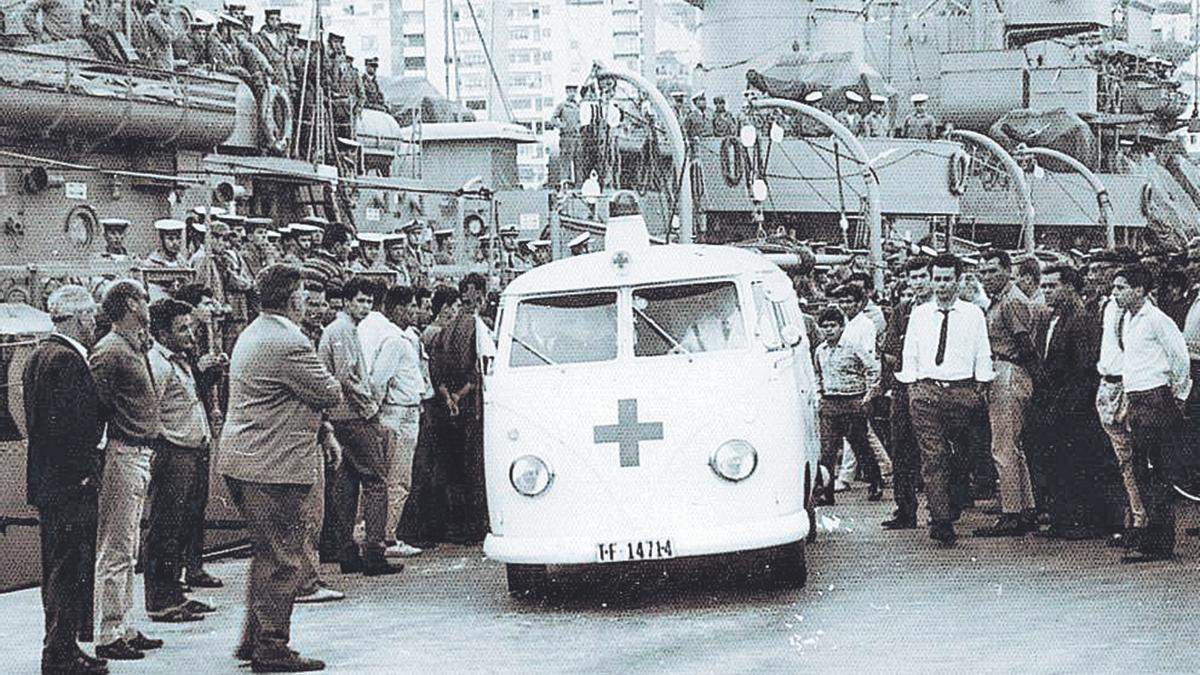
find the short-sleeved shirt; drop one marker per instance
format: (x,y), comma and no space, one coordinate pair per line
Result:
(1009,316)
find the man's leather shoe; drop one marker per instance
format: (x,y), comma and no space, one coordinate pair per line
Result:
(78,665)
(1136,557)
(351,566)
(293,663)
(144,643)
(119,650)
(203,579)
(1130,538)
(91,659)
(176,614)
(943,533)
(899,523)
(1007,525)
(199,607)
(381,568)
(1069,532)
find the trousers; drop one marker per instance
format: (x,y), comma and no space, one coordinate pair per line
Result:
(312,515)
(906,456)
(942,416)
(174,474)
(364,467)
(843,419)
(68,543)
(1008,401)
(272,515)
(402,425)
(123,492)
(1154,422)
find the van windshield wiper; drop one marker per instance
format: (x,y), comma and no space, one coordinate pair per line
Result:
(661,331)
(532,350)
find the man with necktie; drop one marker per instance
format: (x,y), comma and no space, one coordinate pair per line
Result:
(948,363)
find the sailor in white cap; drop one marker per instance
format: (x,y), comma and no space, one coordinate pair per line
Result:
(806,126)
(114,237)
(443,246)
(512,261)
(579,245)
(851,115)
(370,252)
(258,252)
(699,123)
(307,232)
(919,124)
(417,260)
(541,251)
(170,244)
(394,245)
(877,123)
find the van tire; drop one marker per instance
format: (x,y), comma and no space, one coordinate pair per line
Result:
(790,569)
(526,580)
(810,503)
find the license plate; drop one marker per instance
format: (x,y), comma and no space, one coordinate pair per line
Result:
(628,551)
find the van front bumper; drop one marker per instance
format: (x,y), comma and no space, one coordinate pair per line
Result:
(712,540)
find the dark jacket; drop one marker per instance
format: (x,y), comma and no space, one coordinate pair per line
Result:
(1068,379)
(62,414)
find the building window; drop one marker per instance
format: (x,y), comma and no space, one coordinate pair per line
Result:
(369,43)
(414,39)
(518,33)
(476,105)
(522,104)
(546,56)
(626,44)
(535,13)
(414,63)
(545,32)
(348,9)
(414,19)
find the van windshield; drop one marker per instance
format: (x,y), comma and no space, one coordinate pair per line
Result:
(687,319)
(553,330)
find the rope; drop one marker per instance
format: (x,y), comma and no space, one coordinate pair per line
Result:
(487,53)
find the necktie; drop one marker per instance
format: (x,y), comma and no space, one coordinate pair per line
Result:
(941,350)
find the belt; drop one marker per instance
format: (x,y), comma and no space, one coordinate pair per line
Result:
(842,397)
(1112,379)
(947,384)
(122,437)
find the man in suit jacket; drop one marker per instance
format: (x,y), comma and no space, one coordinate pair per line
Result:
(62,413)
(270,457)
(1071,447)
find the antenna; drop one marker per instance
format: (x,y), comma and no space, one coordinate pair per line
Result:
(1194,123)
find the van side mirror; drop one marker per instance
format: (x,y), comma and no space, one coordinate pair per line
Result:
(791,335)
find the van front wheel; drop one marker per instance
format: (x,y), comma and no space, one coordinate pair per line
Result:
(526,580)
(790,569)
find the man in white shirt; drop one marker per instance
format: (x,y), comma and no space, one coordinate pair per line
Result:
(399,384)
(862,329)
(1111,406)
(1157,381)
(948,361)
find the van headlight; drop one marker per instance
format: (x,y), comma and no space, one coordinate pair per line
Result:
(530,476)
(734,460)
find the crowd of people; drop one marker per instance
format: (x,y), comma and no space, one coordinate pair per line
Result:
(340,409)
(1064,391)
(169,36)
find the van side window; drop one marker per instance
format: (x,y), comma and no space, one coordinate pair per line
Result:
(560,329)
(687,319)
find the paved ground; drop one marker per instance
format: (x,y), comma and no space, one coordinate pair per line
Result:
(875,602)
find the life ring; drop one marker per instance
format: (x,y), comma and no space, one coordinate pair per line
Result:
(960,168)
(1147,199)
(731,161)
(276,132)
